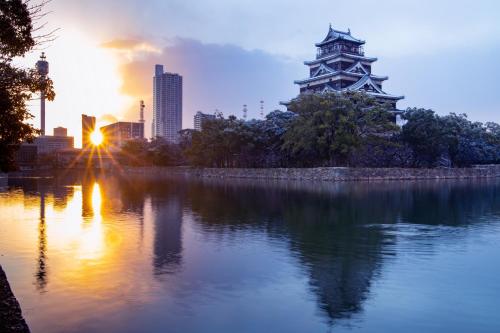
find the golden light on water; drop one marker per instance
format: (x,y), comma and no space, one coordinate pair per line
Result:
(92,238)
(96,199)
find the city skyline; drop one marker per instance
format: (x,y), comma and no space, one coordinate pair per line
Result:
(425,56)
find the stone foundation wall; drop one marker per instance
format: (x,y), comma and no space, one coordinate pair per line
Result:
(325,174)
(11,317)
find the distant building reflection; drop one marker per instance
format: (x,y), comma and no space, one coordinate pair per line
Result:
(41,273)
(54,192)
(167,246)
(87,190)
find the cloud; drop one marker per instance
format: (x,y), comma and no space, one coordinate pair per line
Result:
(226,76)
(215,76)
(131,45)
(107,119)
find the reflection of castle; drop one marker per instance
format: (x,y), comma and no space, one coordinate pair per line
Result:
(342,259)
(167,245)
(339,256)
(327,226)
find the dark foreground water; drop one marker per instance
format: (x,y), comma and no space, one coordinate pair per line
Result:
(103,254)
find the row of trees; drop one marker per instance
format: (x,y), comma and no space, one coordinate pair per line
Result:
(350,129)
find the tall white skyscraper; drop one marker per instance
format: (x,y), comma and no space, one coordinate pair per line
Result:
(167,105)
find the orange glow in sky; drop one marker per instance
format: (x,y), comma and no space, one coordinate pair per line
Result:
(86,81)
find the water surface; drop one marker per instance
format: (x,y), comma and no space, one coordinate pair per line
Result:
(107,254)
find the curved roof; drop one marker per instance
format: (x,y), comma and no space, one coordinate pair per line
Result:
(366,80)
(319,76)
(334,35)
(340,54)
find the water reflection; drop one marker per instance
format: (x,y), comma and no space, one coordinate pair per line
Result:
(41,273)
(167,236)
(323,232)
(339,236)
(343,233)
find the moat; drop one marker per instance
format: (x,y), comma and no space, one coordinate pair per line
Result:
(106,254)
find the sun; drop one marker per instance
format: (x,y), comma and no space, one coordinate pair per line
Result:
(96,137)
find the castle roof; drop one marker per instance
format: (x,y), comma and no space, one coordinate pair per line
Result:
(340,55)
(334,35)
(367,80)
(329,74)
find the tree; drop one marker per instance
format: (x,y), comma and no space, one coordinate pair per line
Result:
(271,133)
(163,153)
(17,85)
(136,152)
(451,140)
(329,128)
(423,133)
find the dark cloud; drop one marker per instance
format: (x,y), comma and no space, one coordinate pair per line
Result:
(215,76)
(227,76)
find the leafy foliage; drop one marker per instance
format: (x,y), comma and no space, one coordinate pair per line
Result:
(451,140)
(350,129)
(17,85)
(330,128)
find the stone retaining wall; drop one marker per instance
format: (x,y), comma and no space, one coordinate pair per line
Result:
(325,174)
(11,317)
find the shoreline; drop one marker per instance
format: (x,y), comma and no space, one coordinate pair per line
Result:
(11,317)
(328,174)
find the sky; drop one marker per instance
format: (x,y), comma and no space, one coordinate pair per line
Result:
(442,55)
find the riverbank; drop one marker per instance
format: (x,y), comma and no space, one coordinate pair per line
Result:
(331,174)
(322,174)
(11,317)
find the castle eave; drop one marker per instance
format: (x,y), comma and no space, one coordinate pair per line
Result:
(340,54)
(341,74)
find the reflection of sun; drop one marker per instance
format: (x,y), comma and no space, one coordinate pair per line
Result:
(96,137)
(96,199)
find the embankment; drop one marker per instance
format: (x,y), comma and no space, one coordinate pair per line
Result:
(323,174)
(11,317)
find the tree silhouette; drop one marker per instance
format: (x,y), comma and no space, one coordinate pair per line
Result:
(17,85)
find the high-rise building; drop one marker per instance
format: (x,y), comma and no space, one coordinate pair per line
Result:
(88,126)
(167,104)
(117,134)
(60,131)
(201,117)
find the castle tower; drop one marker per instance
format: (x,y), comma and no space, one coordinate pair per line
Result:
(341,65)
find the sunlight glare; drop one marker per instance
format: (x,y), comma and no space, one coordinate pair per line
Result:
(96,137)
(96,199)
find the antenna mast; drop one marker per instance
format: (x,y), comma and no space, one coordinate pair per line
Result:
(141,114)
(42,66)
(262,108)
(245,111)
